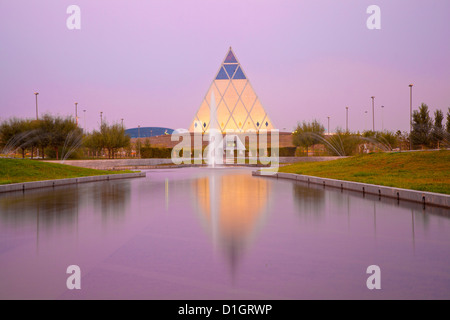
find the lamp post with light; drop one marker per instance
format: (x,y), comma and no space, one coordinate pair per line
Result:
(139,140)
(410,115)
(346,119)
(76,113)
(373,113)
(328,125)
(84,120)
(37,115)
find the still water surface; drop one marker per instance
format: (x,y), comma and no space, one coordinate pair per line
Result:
(197,233)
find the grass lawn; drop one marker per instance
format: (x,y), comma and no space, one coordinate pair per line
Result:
(24,170)
(425,170)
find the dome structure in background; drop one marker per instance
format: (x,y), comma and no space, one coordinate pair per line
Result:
(147,132)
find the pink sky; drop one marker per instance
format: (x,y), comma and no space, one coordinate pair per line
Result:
(151,62)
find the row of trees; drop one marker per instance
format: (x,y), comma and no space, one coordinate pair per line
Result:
(110,137)
(59,137)
(49,132)
(426,133)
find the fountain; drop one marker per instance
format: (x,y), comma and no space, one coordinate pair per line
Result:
(20,140)
(334,145)
(215,147)
(73,142)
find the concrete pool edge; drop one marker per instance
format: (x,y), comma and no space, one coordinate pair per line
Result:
(424,197)
(23,186)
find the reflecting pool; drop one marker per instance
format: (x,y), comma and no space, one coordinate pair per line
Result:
(199,233)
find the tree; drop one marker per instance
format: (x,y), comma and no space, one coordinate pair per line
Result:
(402,139)
(448,121)
(15,134)
(138,147)
(308,134)
(94,142)
(369,134)
(45,128)
(146,149)
(34,141)
(422,126)
(62,132)
(384,140)
(55,132)
(147,143)
(387,139)
(110,137)
(438,130)
(342,143)
(114,138)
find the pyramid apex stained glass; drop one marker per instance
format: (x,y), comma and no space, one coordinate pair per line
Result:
(238,108)
(230,58)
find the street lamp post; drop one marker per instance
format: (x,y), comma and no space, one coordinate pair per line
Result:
(76,113)
(101,119)
(365,119)
(37,115)
(382,119)
(328,125)
(139,140)
(346,119)
(410,115)
(373,113)
(84,120)
(37,118)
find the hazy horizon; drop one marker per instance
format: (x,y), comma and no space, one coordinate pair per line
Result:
(151,62)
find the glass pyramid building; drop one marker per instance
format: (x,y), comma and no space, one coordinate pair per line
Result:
(238,107)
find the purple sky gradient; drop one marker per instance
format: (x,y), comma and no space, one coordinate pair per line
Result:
(151,62)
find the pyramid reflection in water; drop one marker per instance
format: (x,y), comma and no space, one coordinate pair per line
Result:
(233,208)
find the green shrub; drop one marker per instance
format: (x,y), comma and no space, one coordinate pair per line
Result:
(342,143)
(282,152)
(149,152)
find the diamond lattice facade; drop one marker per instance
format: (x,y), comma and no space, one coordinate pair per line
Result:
(238,107)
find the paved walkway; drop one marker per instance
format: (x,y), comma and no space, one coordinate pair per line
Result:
(426,198)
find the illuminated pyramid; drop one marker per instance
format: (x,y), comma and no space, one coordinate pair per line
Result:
(238,107)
